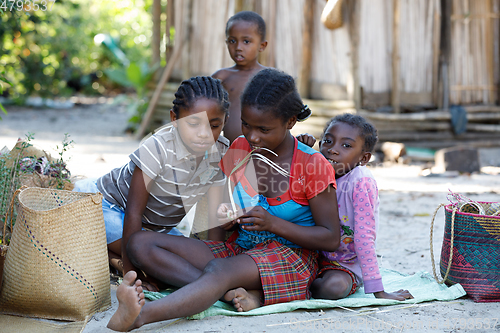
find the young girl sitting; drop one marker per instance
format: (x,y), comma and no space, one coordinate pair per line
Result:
(170,170)
(271,257)
(347,143)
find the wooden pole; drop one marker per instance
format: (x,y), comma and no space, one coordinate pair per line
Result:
(444,55)
(395,95)
(490,64)
(271,34)
(188,29)
(307,45)
(156,8)
(238,5)
(498,83)
(435,53)
(170,23)
(354,33)
(258,6)
(225,54)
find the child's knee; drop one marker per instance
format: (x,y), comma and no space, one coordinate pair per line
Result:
(215,266)
(137,247)
(333,286)
(221,270)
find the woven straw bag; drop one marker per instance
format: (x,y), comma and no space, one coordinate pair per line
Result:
(331,17)
(4,247)
(470,254)
(57,265)
(3,253)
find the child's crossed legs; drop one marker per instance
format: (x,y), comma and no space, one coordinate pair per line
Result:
(209,279)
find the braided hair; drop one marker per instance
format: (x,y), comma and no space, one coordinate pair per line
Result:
(252,17)
(200,87)
(366,130)
(275,91)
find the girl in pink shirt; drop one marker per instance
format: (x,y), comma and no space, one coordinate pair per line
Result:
(347,143)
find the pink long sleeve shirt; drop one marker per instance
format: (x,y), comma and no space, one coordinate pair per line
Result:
(357,196)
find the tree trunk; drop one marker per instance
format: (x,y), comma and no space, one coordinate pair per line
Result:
(307,44)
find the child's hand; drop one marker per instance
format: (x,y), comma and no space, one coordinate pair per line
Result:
(307,139)
(257,219)
(228,226)
(224,210)
(226,217)
(399,295)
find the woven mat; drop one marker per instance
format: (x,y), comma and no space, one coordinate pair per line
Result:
(421,285)
(23,324)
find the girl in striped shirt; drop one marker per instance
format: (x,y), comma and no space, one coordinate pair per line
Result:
(169,172)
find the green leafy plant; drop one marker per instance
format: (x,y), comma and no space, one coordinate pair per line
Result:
(53,52)
(135,76)
(3,79)
(10,170)
(59,167)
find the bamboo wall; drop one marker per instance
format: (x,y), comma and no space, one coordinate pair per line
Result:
(474,57)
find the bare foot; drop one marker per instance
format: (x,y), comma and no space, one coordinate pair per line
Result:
(242,299)
(131,300)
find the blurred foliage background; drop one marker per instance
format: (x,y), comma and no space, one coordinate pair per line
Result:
(55,52)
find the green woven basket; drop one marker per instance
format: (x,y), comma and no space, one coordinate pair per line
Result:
(475,249)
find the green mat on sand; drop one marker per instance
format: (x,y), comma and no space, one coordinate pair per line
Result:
(421,285)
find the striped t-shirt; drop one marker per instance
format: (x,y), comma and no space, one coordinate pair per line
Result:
(176,182)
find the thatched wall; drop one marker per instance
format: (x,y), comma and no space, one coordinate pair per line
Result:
(474,59)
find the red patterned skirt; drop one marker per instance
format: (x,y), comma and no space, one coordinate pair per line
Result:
(285,273)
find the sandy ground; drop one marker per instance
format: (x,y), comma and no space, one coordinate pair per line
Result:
(408,201)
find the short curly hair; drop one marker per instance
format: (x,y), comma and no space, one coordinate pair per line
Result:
(249,16)
(366,130)
(275,91)
(200,87)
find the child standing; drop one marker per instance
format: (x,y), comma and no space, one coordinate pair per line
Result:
(347,143)
(170,170)
(245,38)
(271,257)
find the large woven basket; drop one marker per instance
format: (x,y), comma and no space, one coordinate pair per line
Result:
(473,240)
(4,247)
(3,253)
(57,266)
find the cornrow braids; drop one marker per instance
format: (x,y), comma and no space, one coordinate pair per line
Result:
(275,91)
(200,87)
(367,131)
(252,17)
